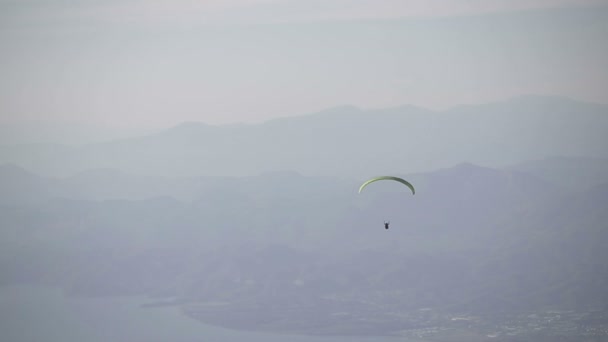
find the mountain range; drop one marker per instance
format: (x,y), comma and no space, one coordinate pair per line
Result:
(344,141)
(289,251)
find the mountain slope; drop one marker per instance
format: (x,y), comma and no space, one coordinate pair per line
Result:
(575,173)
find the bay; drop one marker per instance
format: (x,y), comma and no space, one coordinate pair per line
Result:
(37,313)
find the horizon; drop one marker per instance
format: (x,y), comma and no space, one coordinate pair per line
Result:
(64,132)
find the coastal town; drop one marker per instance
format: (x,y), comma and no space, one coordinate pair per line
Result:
(424,324)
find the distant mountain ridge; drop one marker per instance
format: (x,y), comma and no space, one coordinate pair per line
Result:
(344,141)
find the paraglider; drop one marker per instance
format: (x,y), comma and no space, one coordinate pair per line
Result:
(392,178)
(396,179)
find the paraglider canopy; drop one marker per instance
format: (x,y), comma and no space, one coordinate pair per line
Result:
(396,179)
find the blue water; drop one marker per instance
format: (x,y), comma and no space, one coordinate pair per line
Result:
(43,314)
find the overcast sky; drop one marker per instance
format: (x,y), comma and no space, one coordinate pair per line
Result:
(155,63)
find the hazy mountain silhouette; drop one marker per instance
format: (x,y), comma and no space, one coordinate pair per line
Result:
(345,141)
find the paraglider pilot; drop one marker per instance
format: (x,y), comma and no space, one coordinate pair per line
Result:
(386,223)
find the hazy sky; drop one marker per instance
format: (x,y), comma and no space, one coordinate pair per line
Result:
(155,63)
